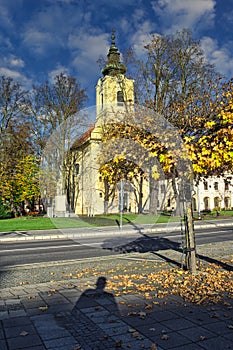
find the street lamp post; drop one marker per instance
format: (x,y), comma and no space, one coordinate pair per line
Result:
(121,201)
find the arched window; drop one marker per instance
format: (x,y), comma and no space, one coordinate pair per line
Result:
(227,202)
(217,202)
(206,203)
(226,185)
(120,98)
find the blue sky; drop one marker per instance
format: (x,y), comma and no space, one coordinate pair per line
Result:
(41,38)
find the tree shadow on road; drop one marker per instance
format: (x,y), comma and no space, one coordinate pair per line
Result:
(155,244)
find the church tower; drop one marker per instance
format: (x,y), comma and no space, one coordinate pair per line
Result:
(113,88)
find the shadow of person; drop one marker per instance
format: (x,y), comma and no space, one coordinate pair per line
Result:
(94,314)
(96,299)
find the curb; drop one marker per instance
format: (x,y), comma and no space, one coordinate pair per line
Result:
(39,235)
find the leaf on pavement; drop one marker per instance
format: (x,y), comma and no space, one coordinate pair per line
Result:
(43,308)
(23,334)
(153,347)
(118,344)
(165,337)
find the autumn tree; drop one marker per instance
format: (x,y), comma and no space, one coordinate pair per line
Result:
(15,138)
(17,169)
(53,106)
(175,80)
(210,149)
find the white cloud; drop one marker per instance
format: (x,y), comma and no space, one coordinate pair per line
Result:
(86,49)
(38,42)
(16,62)
(57,71)
(17,76)
(177,14)
(221,57)
(142,33)
(10,73)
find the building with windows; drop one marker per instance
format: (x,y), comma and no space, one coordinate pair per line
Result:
(115,93)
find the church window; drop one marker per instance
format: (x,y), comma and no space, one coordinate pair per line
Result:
(205,185)
(102,101)
(227,202)
(216,186)
(76,169)
(120,98)
(217,202)
(206,203)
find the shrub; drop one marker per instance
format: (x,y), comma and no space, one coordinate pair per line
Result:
(4,211)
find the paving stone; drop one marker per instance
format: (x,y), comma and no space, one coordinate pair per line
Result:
(219,328)
(1,333)
(10,302)
(16,321)
(163,316)
(17,313)
(3,345)
(24,342)
(4,315)
(188,347)
(217,343)
(197,333)
(13,332)
(178,324)
(171,340)
(156,329)
(201,318)
(66,341)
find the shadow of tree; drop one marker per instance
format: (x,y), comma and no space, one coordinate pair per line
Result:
(154,244)
(143,244)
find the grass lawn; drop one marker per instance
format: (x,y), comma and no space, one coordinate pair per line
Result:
(44,223)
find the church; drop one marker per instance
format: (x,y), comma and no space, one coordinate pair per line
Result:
(114,96)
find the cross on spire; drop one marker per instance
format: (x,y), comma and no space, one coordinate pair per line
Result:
(113,36)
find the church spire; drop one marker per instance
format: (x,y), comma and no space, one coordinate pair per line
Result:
(113,66)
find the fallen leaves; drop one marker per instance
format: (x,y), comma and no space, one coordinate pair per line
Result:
(211,285)
(43,308)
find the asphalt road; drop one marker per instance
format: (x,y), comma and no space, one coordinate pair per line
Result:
(24,253)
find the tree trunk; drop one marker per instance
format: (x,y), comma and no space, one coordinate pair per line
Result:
(140,206)
(153,196)
(106,196)
(191,246)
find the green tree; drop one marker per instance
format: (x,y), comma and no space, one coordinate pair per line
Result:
(15,149)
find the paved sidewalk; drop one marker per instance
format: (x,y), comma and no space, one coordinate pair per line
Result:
(93,231)
(77,314)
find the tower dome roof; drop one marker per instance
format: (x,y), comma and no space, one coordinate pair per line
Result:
(113,66)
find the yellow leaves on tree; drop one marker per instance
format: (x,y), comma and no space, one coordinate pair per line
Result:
(211,150)
(23,183)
